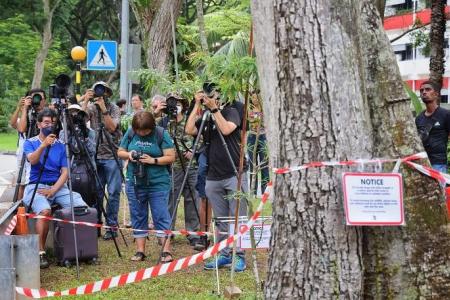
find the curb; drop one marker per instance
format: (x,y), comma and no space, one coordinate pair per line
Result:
(7,152)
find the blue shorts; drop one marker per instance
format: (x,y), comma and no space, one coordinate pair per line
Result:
(40,203)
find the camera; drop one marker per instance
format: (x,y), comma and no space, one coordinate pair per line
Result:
(36,100)
(60,89)
(209,88)
(139,171)
(171,107)
(101,89)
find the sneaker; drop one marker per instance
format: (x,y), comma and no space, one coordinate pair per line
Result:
(43,261)
(222,262)
(239,264)
(109,235)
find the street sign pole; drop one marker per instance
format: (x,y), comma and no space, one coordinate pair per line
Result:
(124,54)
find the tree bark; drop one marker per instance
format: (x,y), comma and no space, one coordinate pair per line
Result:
(156,29)
(381,5)
(437,31)
(46,42)
(201,26)
(331,83)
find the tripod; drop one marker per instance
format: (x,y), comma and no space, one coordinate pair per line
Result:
(87,159)
(206,118)
(23,159)
(103,132)
(185,174)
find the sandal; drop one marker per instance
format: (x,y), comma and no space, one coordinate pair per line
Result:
(163,259)
(139,256)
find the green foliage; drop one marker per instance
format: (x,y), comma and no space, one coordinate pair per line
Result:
(18,49)
(154,81)
(417,104)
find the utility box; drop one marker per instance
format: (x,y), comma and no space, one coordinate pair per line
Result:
(19,264)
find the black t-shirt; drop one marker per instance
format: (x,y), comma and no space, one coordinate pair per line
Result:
(219,166)
(434,131)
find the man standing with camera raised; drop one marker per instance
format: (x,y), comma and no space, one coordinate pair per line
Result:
(28,107)
(221,180)
(104,117)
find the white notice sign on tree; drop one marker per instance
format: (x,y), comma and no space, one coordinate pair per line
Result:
(373,199)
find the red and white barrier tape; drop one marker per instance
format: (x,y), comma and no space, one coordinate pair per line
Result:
(441,177)
(11,226)
(165,232)
(346,163)
(155,271)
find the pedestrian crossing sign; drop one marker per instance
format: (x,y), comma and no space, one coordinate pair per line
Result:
(101,55)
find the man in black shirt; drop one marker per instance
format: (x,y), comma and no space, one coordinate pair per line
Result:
(221,180)
(433,126)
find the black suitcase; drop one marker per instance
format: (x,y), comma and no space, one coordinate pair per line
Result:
(87,244)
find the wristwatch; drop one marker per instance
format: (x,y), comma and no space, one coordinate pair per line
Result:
(213,111)
(156,161)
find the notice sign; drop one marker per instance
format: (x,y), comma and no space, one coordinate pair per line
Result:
(373,199)
(261,233)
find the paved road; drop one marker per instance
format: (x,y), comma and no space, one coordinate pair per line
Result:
(7,172)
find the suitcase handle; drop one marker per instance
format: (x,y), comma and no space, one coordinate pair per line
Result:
(81,210)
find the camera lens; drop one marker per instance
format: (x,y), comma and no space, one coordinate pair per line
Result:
(99,90)
(36,99)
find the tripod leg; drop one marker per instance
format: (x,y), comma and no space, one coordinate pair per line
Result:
(102,208)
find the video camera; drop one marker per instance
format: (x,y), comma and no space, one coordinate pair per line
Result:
(60,89)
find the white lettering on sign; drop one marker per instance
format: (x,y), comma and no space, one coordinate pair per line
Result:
(373,199)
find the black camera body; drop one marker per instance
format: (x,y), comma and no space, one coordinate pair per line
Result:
(139,171)
(171,107)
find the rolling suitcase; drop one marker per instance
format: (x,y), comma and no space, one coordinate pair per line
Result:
(86,236)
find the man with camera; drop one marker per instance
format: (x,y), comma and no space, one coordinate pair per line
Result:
(47,156)
(24,120)
(104,117)
(221,180)
(175,121)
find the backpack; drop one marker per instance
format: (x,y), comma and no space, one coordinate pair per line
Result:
(159,138)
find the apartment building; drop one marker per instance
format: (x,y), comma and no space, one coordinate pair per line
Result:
(400,16)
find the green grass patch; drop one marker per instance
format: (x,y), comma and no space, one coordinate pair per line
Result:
(191,283)
(8,141)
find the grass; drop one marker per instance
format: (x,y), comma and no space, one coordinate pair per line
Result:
(8,141)
(192,283)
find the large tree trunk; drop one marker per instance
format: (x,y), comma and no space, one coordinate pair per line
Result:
(156,29)
(331,83)
(47,40)
(201,25)
(437,31)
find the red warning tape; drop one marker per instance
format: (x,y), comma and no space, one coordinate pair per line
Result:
(346,163)
(155,271)
(11,226)
(165,232)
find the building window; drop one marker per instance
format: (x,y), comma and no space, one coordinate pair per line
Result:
(403,52)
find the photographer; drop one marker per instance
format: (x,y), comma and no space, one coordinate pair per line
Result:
(104,117)
(175,120)
(52,188)
(28,107)
(149,149)
(81,138)
(158,105)
(221,180)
